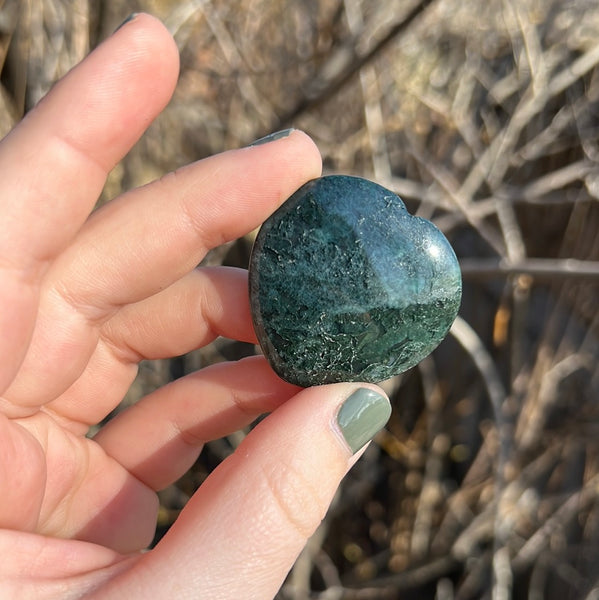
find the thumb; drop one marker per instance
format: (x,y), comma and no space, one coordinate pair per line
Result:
(242,531)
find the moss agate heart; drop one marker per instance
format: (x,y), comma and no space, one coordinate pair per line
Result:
(346,285)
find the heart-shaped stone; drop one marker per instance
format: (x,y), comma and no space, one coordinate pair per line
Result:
(346,285)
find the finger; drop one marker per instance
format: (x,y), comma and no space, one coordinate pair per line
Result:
(194,311)
(46,567)
(55,162)
(207,303)
(160,437)
(152,236)
(65,486)
(22,468)
(144,241)
(255,512)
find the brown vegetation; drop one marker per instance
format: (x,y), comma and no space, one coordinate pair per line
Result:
(484,117)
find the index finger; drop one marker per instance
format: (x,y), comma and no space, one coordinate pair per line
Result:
(54,164)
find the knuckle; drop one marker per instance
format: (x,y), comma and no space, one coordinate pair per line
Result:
(296,498)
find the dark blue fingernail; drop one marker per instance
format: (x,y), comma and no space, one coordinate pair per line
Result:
(271,137)
(127,20)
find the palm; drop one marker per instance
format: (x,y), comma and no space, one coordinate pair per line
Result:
(87,492)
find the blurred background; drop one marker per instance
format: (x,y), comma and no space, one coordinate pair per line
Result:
(484,117)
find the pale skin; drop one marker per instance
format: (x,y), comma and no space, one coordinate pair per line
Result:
(84,298)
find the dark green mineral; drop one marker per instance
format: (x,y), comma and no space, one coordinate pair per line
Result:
(346,285)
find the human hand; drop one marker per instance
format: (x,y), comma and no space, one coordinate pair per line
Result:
(84,298)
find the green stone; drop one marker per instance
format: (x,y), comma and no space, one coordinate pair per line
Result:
(346,285)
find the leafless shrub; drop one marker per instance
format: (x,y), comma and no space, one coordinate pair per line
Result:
(484,117)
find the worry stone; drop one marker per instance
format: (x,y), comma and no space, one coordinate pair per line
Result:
(346,285)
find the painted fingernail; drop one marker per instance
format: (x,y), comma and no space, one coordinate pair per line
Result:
(361,416)
(272,137)
(127,20)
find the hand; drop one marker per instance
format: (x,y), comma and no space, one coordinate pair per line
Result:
(84,298)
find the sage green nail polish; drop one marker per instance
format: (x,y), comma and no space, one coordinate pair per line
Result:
(361,416)
(271,137)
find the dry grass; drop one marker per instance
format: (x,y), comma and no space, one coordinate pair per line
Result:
(484,117)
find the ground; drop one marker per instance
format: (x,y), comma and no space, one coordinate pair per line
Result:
(484,117)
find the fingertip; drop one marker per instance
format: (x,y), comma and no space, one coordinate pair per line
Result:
(127,20)
(295,143)
(311,151)
(105,103)
(145,36)
(350,413)
(295,157)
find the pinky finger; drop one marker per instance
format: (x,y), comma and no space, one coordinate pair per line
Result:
(161,436)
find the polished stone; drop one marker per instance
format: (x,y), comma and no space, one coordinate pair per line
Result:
(346,285)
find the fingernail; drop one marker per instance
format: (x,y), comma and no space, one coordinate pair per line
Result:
(361,416)
(271,137)
(127,20)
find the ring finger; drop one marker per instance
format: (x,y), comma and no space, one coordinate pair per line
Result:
(205,304)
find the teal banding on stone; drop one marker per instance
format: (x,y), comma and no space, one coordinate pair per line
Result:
(346,285)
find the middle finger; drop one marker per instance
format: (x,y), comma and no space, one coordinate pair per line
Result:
(143,242)
(160,437)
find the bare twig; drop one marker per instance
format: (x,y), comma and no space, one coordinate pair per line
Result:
(565,513)
(450,186)
(439,445)
(495,160)
(539,268)
(373,113)
(353,64)
(531,427)
(399,582)
(234,57)
(469,340)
